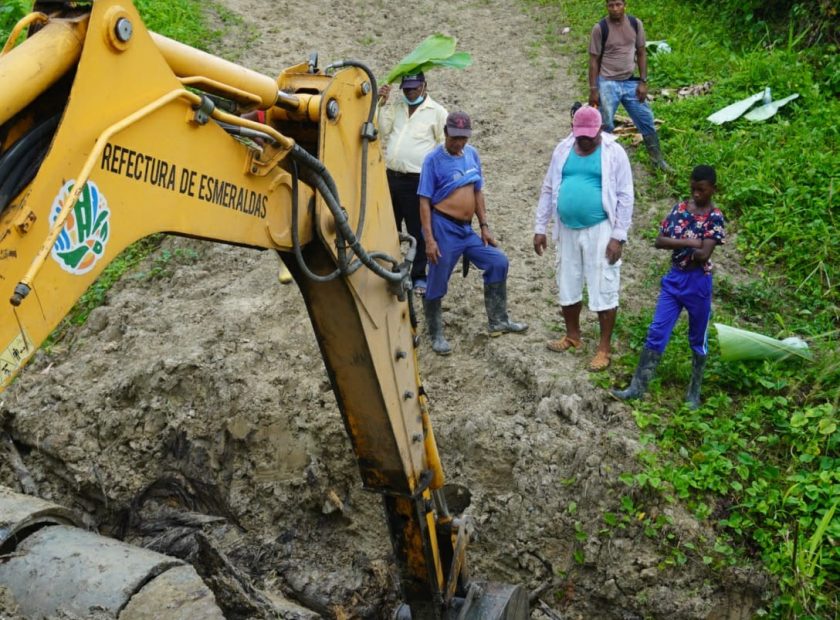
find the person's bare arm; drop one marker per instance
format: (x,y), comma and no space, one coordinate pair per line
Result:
(705,251)
(594,70)
(481,213)
(432,250)
(667,243)
(642,88)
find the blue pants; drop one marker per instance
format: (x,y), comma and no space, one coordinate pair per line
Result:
(691,290)
(613,92)
(455,240)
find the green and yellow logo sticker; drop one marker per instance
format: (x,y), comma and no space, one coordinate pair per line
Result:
(82,240)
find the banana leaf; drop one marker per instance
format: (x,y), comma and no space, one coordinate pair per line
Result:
(436,50)
(741,344)
(762,113)
(458,60)
(736,110)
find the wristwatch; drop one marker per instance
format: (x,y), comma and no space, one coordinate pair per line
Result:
(643,80)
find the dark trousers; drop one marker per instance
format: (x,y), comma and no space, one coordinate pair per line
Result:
(406,203)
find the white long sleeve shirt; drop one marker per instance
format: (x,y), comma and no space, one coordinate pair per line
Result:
(408,139)
(616,187)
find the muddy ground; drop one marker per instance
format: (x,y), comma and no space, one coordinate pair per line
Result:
(201,372)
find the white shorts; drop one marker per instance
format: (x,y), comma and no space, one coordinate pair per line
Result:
(582,255)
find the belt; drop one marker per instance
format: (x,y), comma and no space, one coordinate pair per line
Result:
(452,219)
(408,175)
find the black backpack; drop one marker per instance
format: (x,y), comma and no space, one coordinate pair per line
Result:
(605,32)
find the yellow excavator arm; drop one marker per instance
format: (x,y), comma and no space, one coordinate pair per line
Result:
(110,133)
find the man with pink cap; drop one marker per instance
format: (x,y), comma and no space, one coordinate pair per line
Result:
(588,191)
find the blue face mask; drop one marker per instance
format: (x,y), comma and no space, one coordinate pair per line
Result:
(417,101)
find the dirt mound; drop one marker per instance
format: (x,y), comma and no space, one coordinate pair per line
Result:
(199,387)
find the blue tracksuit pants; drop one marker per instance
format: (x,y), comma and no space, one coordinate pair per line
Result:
(457,239)
(691,290)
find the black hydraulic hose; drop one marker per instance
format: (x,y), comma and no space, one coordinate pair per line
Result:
(343,227)
(371,77)
(368,134)
(324,184)
(316,166)
(23,171)
(296,237)
(11,172)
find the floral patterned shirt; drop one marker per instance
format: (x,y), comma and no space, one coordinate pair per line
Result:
(682,224)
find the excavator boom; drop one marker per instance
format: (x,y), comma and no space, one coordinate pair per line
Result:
(110,133)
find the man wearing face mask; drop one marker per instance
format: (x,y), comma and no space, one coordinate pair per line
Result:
(410,128)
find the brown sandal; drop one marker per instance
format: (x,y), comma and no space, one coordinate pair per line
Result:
(565,343)
(601,361)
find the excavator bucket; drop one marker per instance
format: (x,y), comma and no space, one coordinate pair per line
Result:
(484,601)
(498,601)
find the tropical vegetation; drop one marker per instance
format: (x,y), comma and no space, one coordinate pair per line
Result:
(760,461)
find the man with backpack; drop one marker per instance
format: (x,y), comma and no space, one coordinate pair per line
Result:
(616,46)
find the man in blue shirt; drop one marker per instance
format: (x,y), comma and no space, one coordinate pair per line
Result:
(451,194)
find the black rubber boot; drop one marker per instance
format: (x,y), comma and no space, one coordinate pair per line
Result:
(655,152)
(692,396)
(648,361)
(434,322)
(495,302)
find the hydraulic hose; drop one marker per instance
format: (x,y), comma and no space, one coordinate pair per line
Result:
(245,132)
(19,164)
(324,184)
(344,228)
(368,134)
(296,237)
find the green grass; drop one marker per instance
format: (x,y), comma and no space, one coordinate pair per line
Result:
(183,20)
(10,12)
(760,461)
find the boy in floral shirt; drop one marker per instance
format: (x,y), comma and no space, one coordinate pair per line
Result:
(692,230)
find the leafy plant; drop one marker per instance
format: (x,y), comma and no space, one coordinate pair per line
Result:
(436,50)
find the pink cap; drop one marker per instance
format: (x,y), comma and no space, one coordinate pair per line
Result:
(587,122)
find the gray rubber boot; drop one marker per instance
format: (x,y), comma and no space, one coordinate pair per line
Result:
(495,302)
(648,361)
(655,152)
(692,396)
(434,322)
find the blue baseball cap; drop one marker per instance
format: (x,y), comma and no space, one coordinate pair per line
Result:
(413,80)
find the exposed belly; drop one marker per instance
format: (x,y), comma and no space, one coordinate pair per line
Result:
(460,203)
